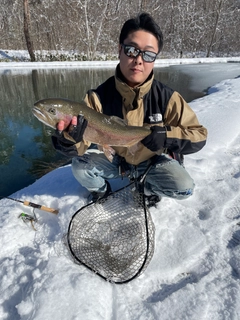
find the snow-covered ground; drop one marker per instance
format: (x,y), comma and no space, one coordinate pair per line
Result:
(195,271)
(10,59)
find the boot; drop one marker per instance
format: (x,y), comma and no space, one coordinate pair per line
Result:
(152,200)
(96,196)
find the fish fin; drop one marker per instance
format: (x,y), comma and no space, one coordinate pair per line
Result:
(118,120)
(109,152)
(100,148)
(133,148)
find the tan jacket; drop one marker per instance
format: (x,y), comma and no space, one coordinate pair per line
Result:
(152,103)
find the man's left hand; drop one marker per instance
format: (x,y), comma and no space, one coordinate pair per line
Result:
(156,139)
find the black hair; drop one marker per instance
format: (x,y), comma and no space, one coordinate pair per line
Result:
(142,22)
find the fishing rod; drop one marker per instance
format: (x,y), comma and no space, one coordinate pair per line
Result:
(34,205)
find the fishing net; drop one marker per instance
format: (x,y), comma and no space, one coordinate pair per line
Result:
(113,237)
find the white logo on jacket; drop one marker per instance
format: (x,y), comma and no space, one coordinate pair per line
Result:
(157,117)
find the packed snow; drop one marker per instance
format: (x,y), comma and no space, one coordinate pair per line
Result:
(14,59)
(195,270)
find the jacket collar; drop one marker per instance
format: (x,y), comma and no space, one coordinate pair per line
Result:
(131,95)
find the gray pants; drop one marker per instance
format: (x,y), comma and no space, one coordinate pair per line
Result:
(166,178)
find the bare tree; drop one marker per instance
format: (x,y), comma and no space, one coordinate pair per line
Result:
(218,13)
(26,18)
(91,28)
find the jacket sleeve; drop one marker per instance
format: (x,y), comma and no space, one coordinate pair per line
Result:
(185,135)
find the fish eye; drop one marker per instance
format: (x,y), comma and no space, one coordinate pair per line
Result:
(52,111)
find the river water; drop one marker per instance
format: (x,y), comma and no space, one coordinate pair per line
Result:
(25,144)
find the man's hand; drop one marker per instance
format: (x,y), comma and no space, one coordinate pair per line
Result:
(64,140)
(156,139)
(75,130)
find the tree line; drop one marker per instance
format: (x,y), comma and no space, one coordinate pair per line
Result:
(89,29)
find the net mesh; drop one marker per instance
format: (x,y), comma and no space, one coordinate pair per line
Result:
(113,237)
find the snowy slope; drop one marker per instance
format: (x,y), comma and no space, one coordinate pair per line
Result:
(195,270)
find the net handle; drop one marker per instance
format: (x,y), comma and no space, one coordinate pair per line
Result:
(139,182)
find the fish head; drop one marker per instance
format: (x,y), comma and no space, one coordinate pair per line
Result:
(51,111)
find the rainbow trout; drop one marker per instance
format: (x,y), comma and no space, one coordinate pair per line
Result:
(101,129)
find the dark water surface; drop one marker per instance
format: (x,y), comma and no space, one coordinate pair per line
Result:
(25,143)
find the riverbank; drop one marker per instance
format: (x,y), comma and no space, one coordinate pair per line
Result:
(110,64)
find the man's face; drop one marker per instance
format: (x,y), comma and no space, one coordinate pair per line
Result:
(136,70)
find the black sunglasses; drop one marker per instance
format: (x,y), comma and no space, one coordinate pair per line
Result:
(133,52)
